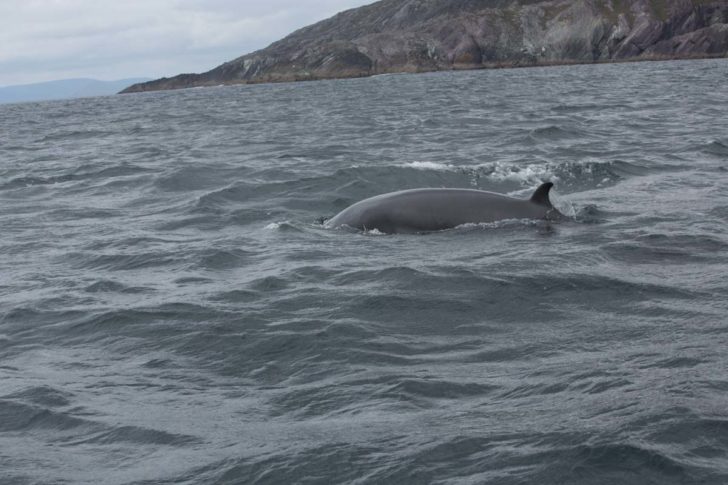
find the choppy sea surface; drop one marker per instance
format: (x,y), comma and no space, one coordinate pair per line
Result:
(173,311)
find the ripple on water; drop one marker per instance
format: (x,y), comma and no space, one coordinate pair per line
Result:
(173,311)
(717,148)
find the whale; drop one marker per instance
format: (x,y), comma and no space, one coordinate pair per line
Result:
(436,209)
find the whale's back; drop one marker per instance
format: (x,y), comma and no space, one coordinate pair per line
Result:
(422,210)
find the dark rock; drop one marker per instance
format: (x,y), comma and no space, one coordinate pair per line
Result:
(428,35)
(466,53)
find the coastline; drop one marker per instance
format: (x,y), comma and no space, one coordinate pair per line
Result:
(140,88)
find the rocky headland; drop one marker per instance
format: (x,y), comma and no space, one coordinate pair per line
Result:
(392,36)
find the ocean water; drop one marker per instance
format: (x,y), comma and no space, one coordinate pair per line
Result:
(172,309)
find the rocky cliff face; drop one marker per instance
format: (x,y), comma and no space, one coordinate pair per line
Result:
(429,35)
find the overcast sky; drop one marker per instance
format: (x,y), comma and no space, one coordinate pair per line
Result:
(44,40)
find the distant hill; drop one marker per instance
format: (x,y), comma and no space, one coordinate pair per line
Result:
(67,88)
(429,35)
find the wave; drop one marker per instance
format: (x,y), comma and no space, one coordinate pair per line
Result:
(585,174)
(82,173)
(109,286)
(616,462)
(436,389)
(350,397)
(588,107)
(286,226)
(444,167)
(137,436)
(195,177)
(16,416)
(466,457)
(666,248)
(123,262)
(222,259)
(75,135)
(556,132)
(718,148)
(70,430)
(43,396)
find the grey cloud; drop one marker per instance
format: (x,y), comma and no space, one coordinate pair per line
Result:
(44,39)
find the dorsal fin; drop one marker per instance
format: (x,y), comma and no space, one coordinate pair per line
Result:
(541,196)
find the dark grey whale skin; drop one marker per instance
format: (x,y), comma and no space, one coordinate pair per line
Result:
(426,210)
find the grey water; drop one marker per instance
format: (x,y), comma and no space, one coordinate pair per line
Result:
(172,309)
